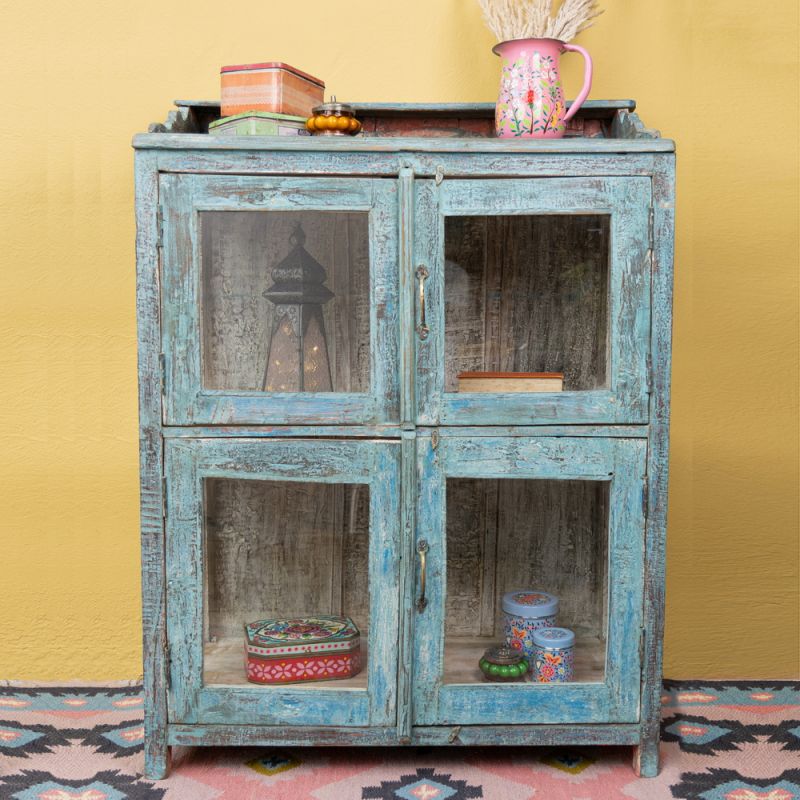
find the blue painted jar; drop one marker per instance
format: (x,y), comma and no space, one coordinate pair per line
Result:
(553,655)
(524,612)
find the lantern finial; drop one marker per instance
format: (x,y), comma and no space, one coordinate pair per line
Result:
(298,236)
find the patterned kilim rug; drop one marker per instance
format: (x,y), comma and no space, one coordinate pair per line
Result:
(721,741)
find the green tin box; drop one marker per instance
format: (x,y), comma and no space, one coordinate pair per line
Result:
(259,123)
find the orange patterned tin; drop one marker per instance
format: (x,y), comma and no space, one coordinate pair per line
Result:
(272,86)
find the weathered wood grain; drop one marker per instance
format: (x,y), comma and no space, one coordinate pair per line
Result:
(239,251)
(278,549)
(395,432)
(408,520)
(150,457)
(389,164)
(527,293)
(646,757)
(627,125)
(290,431)
(365,144)
(458,735)
(405,236)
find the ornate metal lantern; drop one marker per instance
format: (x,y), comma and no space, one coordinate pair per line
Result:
(297,357)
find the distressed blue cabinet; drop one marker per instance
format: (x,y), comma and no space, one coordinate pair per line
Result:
(308,309)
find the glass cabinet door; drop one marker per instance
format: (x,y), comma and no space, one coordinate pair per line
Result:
(536,300)
(300,530)
(279,300)
(527,516)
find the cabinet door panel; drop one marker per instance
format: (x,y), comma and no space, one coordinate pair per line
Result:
(560,515)
(534,276)
(280,529)
(279,300)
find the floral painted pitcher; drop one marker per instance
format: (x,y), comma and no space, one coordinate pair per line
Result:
(531,101)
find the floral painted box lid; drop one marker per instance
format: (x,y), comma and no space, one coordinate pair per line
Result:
(284,637)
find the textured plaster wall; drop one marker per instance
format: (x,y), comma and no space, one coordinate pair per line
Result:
(82,77)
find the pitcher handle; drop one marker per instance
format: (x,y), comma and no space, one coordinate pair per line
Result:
(587,80)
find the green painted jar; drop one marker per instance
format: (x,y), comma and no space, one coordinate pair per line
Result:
(503,664)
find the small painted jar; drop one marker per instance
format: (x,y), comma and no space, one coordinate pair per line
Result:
(524,612)
(503,664)
(553,651)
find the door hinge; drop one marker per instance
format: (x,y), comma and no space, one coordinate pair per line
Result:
(162,366)
(434,440)
(649,368)
(159,227)
(164,497)
(645,487)
(642,633)
(651,227)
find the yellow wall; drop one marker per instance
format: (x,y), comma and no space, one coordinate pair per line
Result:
(82,77)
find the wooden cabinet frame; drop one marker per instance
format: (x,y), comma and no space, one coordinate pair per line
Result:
(405,422)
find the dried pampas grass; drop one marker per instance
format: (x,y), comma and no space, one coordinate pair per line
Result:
(533,19)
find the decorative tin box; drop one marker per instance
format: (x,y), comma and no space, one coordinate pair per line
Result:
(274,86)
(259,123)
(553,651)
(526,611)
(320,648)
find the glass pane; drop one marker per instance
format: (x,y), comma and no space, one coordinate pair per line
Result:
(526,294)
(285,301)
(510,535)
(282,550)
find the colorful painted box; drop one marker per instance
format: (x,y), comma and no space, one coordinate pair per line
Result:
(524,612)
(320,648)
(273,86)
(553,655)
(259,123)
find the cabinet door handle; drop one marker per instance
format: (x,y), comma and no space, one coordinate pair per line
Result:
(422,328)
(422,549)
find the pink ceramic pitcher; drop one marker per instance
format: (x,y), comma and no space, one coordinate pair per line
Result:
(531,100)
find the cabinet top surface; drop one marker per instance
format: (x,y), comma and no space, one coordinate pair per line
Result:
(600,127)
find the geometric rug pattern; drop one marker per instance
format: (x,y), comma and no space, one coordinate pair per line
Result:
(730,740)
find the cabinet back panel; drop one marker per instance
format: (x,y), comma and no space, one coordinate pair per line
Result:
(527,293)
(239,251)
(278,549)
(513,534)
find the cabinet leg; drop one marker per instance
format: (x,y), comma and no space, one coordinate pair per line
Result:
(646,758)
(157,759)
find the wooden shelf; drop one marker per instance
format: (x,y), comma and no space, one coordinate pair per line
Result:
(461,656)
(223,665)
